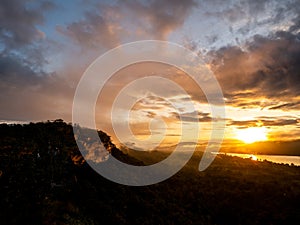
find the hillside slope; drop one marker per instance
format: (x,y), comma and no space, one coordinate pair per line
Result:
(44,180)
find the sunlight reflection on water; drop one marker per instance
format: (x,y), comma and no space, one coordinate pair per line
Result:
(285,159)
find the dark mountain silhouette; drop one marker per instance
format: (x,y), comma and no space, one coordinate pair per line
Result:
(45,180)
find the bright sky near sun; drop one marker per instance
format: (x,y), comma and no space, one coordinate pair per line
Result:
(251,46)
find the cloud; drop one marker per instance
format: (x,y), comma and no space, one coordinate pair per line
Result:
(286,106)
(19,20)
(194,117)
(109,25)
(159,18)
(263,66)
(152,102)
(266,66)
(93,32)
(29,94)
(234,22)
(31,88)
(266,123)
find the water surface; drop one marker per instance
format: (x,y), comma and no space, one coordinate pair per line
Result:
(286,159)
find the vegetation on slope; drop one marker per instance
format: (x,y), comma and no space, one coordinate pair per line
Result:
(44,180)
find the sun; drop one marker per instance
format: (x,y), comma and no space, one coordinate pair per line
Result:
(252,134)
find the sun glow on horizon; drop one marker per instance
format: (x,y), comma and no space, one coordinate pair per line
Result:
(252,134)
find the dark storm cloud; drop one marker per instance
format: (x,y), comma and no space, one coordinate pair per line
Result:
(21,43)
(269,67)
(18,22)
(11,68)
(28,90)
(20,39)
(29,94)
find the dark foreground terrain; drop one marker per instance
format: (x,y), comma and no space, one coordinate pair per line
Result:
(44,180)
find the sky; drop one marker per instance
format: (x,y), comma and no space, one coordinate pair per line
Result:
(251,46)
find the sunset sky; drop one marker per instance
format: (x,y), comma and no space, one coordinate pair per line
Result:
(251,46)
